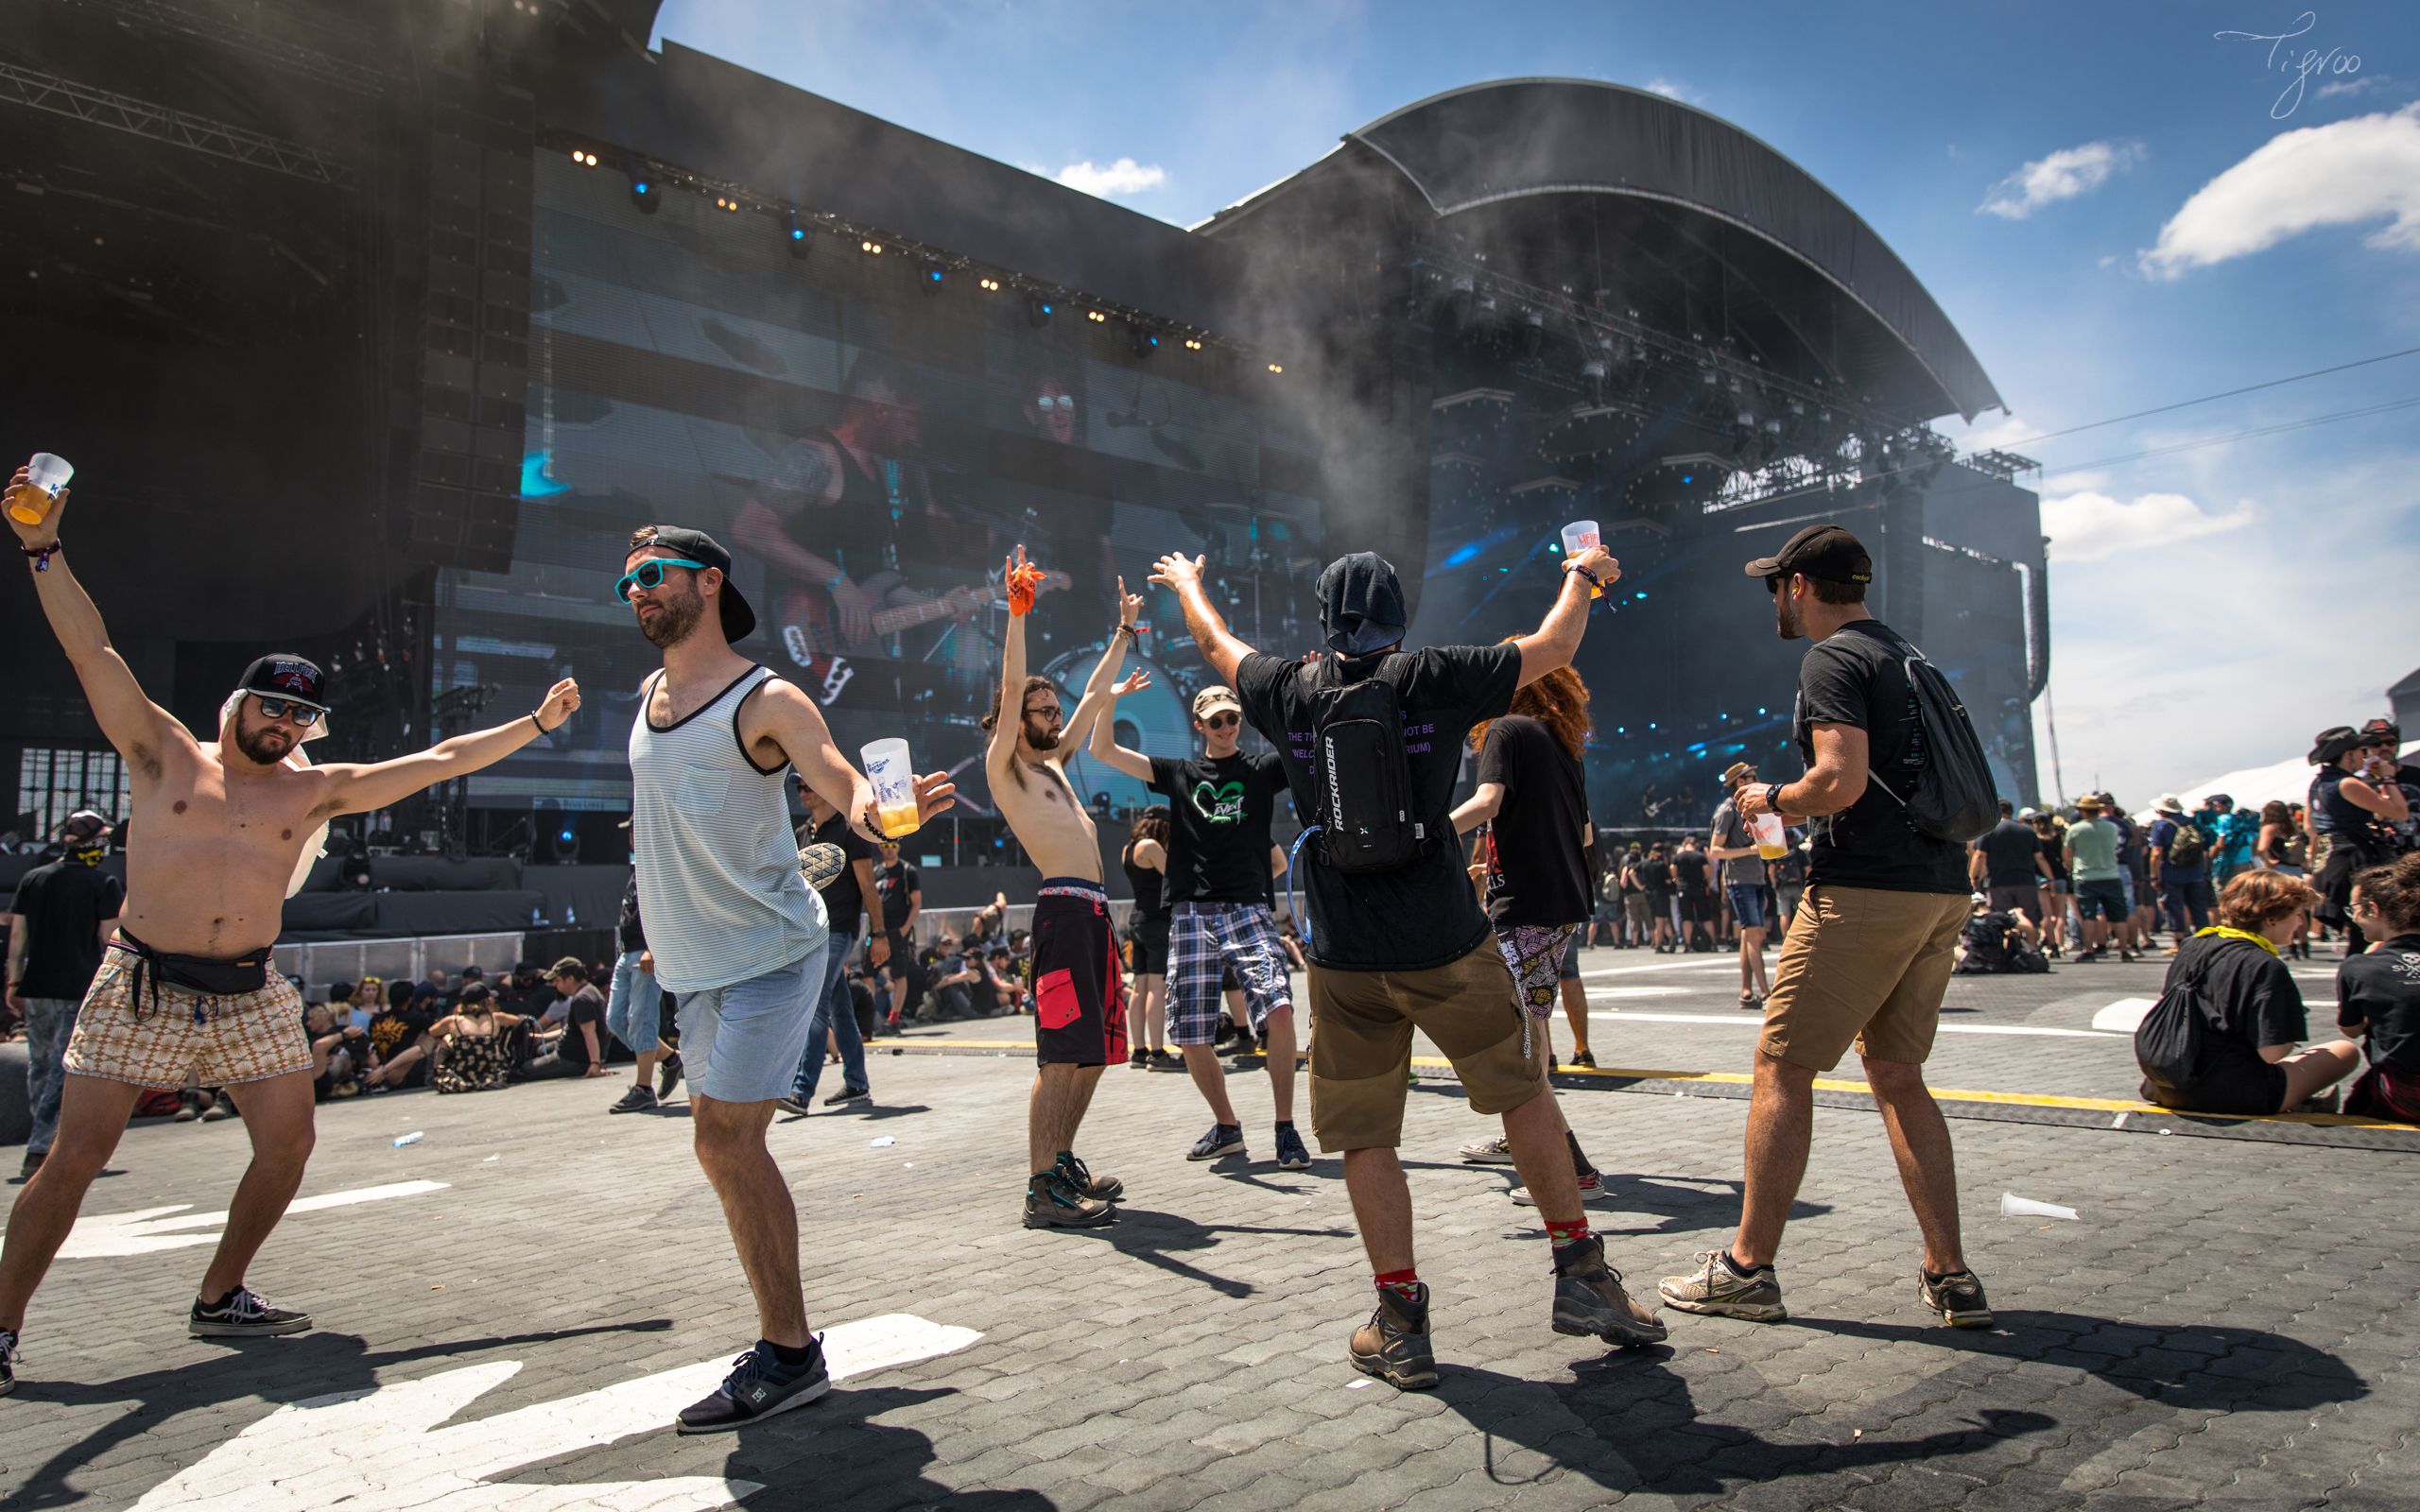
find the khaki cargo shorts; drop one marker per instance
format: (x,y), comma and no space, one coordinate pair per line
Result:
(1862,966)
(1361,1025)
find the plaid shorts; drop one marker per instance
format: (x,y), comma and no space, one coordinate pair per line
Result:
(1202,938)
(207,1041)
(1537,953)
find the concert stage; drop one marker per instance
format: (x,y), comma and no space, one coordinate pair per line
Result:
(375,338)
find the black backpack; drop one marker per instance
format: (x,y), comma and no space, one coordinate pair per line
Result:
(2173,1043)
(1361,776)
(1953,798)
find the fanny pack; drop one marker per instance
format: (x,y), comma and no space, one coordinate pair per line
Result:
(199,975)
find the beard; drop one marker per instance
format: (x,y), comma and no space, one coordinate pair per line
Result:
(1040,737)
(674,619)
(267,745)
(1785,623)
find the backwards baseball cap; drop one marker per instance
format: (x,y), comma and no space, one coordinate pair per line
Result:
(280,674)
(1826,551)
(738,618)
(84,824)
(1213,698)
(1360,604)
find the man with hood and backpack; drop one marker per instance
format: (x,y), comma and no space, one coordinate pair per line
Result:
(1371,739)
(1898,786)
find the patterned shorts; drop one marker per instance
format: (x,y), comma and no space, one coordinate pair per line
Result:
(244,1038)
(1202,939)
(1535,952)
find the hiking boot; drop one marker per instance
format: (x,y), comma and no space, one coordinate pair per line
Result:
(1496,1151)
(188,1108)
(8,1362)
(1592,1192)
(1393,1344)
(1052,1202)
(243,1313)
(1079,1176)
(1956,1296)
(667,1076)
(1291,1155)
(220,1107)
(1714,1289)
(1223,1139)
(1588,1299)
(635,1099)
(848,1094)
(758,1387)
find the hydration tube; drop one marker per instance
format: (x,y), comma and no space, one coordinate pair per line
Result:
(1294,899)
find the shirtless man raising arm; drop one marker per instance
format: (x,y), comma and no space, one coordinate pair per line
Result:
(1080,1009)
(187,992)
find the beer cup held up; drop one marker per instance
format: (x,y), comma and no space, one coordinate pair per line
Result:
(1577,537)
(46,480)
(894,787)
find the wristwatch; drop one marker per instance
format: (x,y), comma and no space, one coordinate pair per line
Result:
(1772,797)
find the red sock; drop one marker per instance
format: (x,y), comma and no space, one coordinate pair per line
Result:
(1562,1235)
(1404,1283)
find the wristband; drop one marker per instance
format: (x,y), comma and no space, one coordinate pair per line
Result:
(41,555)
(540,723)
(834,580)
(1594,581)
(1132,633)
(1772,797)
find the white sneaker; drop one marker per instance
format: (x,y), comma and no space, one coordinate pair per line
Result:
(1592,1193)
(1498,1151)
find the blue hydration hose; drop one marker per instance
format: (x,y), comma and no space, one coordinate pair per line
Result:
(1294,899)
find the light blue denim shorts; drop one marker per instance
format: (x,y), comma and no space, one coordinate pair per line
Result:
(741,1044)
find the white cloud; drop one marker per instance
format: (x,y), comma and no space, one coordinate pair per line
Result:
(2340,173)
(1109,180)
(2362,85)
(1670,90)
(2062,175)
(2088,525)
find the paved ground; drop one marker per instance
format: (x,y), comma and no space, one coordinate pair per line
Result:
(2227,1322)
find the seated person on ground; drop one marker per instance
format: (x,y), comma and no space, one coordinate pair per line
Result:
(339,1052)
(1998,942)
(2377,993)
(476,1045)
(2223,1036)
(578,1048)
(398,1038)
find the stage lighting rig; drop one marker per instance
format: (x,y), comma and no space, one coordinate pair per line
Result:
(1140,341)
(645,195)
(794,236)
(1038,310)
(930,278)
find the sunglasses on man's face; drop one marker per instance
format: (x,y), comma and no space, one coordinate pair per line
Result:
(1055,402)
(650,575)
(286,709)
(1223,721)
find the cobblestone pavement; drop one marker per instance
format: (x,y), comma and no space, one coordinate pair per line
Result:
(2225,1323)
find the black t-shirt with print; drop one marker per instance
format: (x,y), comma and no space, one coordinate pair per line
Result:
(1855,677)
(1422,914)
(587,1006)
(1218,813)
(843,900)
(896,881)
(2382,990)
(1537,870)
(63,903)
(396,1030)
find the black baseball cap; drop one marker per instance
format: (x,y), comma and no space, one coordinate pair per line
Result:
(738,618)
(282,675)
(1825,551)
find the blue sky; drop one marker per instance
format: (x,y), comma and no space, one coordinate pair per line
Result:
(2118,208)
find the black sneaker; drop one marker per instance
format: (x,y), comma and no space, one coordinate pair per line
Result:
(1052,1202)
(1291,1155)
(1167,1060)
(1588,1299)
(1223,1139)
(792,1103)
(1586,1059)
(8,1362)
(243,1313)
(636,1099)
(1139,1060)
(849,1094)
(1956,1296)
(32,1164)
(1393,1344)
(758,1387)
(1079,1176)
(667,1076)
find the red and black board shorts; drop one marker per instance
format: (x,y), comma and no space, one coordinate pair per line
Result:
(1078,983)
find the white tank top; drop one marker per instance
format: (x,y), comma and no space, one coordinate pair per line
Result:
(717,862)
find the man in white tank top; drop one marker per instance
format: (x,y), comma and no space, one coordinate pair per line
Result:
(736,933)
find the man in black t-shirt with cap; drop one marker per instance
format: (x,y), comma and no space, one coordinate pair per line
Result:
(64,913)
(1871,955)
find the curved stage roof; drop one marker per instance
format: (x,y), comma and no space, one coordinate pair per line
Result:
(1680,177)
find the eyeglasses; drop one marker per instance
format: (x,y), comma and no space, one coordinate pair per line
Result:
(1055,402)
(649,574)
(1048,710)
(287,709)
(1223,721)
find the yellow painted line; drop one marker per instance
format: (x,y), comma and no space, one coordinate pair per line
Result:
(1734,1078)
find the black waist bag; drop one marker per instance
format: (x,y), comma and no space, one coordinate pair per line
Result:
(197,974)
(1365,798)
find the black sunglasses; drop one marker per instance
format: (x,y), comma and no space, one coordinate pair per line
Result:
(650,575)
(300,713)
(1221,721)
(1772,584)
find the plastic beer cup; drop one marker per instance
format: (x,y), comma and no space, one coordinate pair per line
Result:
(1771,843)
(1577,537)
(46,480)
(894,787)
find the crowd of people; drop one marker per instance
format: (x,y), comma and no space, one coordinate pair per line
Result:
(754,951)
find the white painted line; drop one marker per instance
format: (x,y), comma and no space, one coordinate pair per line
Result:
(2124,1016)
(147,1230)
(1730,962)
(1608,994)
(382,1451)
(1750,1019)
